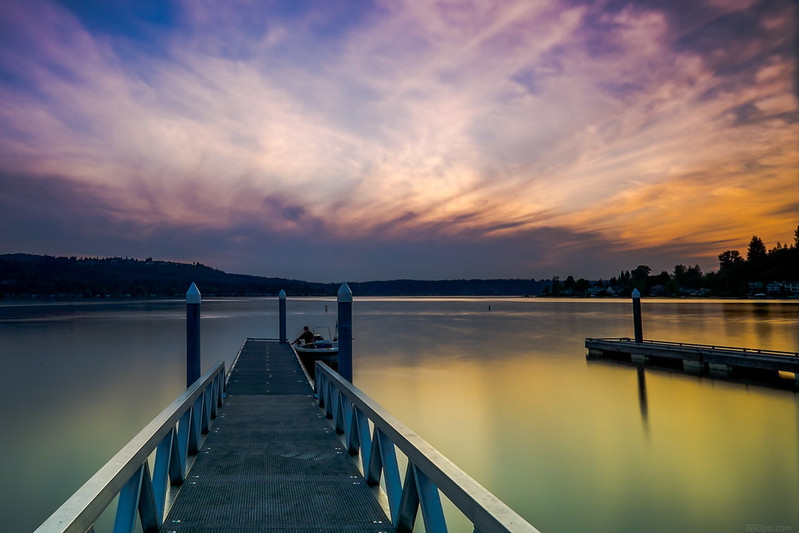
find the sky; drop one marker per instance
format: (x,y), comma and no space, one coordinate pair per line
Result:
(370,140)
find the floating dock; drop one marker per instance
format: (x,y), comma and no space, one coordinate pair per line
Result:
(253,450)
(723,361)
(272,462)
(257,449)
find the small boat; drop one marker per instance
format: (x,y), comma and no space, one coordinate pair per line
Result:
(319,349)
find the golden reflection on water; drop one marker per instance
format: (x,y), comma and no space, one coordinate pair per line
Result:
(578,445)
(506,394)
(87,377)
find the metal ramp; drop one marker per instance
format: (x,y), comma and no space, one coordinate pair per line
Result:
(271,461)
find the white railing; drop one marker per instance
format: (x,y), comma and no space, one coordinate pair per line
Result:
(698,347)
(374,432)
(174,436)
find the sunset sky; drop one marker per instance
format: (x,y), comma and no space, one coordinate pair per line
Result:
(357,140)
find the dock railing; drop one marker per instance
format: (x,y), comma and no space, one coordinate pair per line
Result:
(375,433)
(699,347)
(174,435)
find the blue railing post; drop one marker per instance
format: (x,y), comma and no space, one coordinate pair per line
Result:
(193,300)
(345,332)
(428,473)
(127,474)
(282,312)
(639,330)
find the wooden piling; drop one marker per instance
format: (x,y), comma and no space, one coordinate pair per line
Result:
(282,312)
(193,301)
(639,331)
(344,299)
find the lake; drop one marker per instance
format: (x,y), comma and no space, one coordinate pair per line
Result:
(501,386)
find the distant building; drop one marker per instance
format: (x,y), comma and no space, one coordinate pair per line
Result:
(596,291)
(775,287)
(755,286)
(782,288)
(657,290)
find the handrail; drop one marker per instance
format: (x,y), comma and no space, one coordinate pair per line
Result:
(428,470)
(128,472)
(693,346)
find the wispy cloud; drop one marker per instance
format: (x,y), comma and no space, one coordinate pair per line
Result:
(636,126)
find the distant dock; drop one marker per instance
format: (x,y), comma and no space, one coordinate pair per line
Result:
(722,361)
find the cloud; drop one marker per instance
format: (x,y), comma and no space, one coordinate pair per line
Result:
(635,125)
(45,215)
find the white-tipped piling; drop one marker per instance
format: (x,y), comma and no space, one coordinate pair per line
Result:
(637,324)
(193,366)
(281,297)
(344,299)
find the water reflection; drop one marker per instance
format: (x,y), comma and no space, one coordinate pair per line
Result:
(570,433)
(506,395)
(642,402)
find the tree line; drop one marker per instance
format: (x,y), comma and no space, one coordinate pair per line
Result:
(761,271)
(93,277)
(24,275)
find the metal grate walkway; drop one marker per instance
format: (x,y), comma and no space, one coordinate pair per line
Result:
(272,462)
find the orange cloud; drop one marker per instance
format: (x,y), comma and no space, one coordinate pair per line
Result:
(462,119)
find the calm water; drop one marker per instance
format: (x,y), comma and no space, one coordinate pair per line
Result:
(505,393)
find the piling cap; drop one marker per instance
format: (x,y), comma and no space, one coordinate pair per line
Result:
(344,294)
(636,294)
(193,295)
(282,294)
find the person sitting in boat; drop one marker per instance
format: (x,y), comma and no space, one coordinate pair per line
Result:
(306,336)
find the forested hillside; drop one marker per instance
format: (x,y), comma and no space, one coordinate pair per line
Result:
(23,275)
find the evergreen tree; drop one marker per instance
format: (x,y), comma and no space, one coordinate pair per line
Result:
(556,286)
(581,285)
(641,272)
(756,250)
(728,259)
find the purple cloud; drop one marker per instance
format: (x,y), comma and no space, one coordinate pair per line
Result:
(361,127)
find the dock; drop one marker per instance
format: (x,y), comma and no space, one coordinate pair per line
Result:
(722,361)
(259,449)
(265,447)
(272,462)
